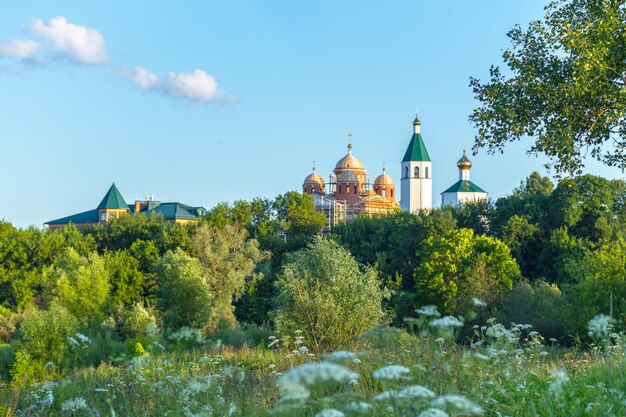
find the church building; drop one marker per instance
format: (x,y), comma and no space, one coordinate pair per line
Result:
(349,192)
(464,190)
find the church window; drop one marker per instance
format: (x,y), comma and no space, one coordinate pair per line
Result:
(392,192)
(384,192)
(406,172)
(103,217)
(355,189)
(416,172)
(426,172)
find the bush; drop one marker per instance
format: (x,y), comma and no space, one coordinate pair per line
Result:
(325,293)
(43,347)
(539,304)
(138,321)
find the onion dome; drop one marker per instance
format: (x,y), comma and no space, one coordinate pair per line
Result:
(313,179)
(464,162)
(349,162)
(384,179)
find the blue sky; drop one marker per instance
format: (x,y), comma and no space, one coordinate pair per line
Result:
(202,102)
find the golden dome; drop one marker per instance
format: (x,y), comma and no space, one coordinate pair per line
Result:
(384,179)
(314,178)
(464,162)
(349,162)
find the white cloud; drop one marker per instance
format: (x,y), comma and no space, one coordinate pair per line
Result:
(21,48)
(77,43)
(195,86)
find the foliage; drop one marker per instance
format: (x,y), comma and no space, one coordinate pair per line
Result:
(185,297)
(228,257)
(43,346)
(79,283)
(460,265)
(125,277)
(325,293)
(566,87)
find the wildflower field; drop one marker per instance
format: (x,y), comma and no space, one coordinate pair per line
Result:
(500,371)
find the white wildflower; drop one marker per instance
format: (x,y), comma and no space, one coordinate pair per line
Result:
(101,390)
(353,382)
(318,372)
(478,303)
(356,361)
(446,321)
(303,349)
(391,372)
(74,404)
(339,356)
(428,311)
(231,409)
(560,378)
(358,407)
(416,391)
(330,412)
(457,403)
(481,356)
(72,340)
(433,412)
(599,325)
(82,338)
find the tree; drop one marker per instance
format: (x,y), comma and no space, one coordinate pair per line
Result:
(185,298)
(296,215)
(81,284)
(125,278)
(228,257)
(460,265)
(567,87)
(325,293)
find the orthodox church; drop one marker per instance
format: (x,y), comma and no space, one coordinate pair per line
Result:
(349,193)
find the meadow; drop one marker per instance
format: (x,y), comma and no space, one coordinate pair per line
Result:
(389,372)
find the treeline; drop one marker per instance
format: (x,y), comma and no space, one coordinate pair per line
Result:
(553,257)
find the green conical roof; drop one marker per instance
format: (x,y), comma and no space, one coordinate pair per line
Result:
(464,186)
(416,150)
(113,199)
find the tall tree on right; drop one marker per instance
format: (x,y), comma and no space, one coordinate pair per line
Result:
(565,86)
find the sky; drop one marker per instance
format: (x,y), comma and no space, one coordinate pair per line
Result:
(203,102)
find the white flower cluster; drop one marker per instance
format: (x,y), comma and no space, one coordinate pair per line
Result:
(391,372)
(74,404)
(430,311)
(340,356)
(330,412)
(599,326)
(560,379)
(187,334)
(446,322)
(458,404)
(433,412)
(359,407)
(313,373)
(412,392)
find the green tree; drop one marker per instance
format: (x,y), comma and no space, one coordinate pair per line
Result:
(566,89)
(185,297)
(125,278)
(81,284)
(297,216)
(228,257)
(460,265)
(325,293)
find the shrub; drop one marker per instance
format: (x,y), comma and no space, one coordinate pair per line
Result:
(325,293)
(43,346)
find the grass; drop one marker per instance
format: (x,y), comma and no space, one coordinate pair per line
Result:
(502,372)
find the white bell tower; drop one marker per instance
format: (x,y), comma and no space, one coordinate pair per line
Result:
(416,176)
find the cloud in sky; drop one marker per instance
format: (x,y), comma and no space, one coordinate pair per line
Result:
(20,48)
(196,86)
(77,43)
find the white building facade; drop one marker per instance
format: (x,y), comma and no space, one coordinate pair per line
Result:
(416,177)
(464,190)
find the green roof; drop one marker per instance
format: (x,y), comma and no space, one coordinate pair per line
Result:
(90,216)
(416,150)
(464,186)
(113,199)
(174,210)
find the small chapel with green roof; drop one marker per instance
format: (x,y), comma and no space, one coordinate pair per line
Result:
(464,190)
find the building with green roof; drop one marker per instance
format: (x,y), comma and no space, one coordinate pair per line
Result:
(416,182)
(464,190)
(113,205)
